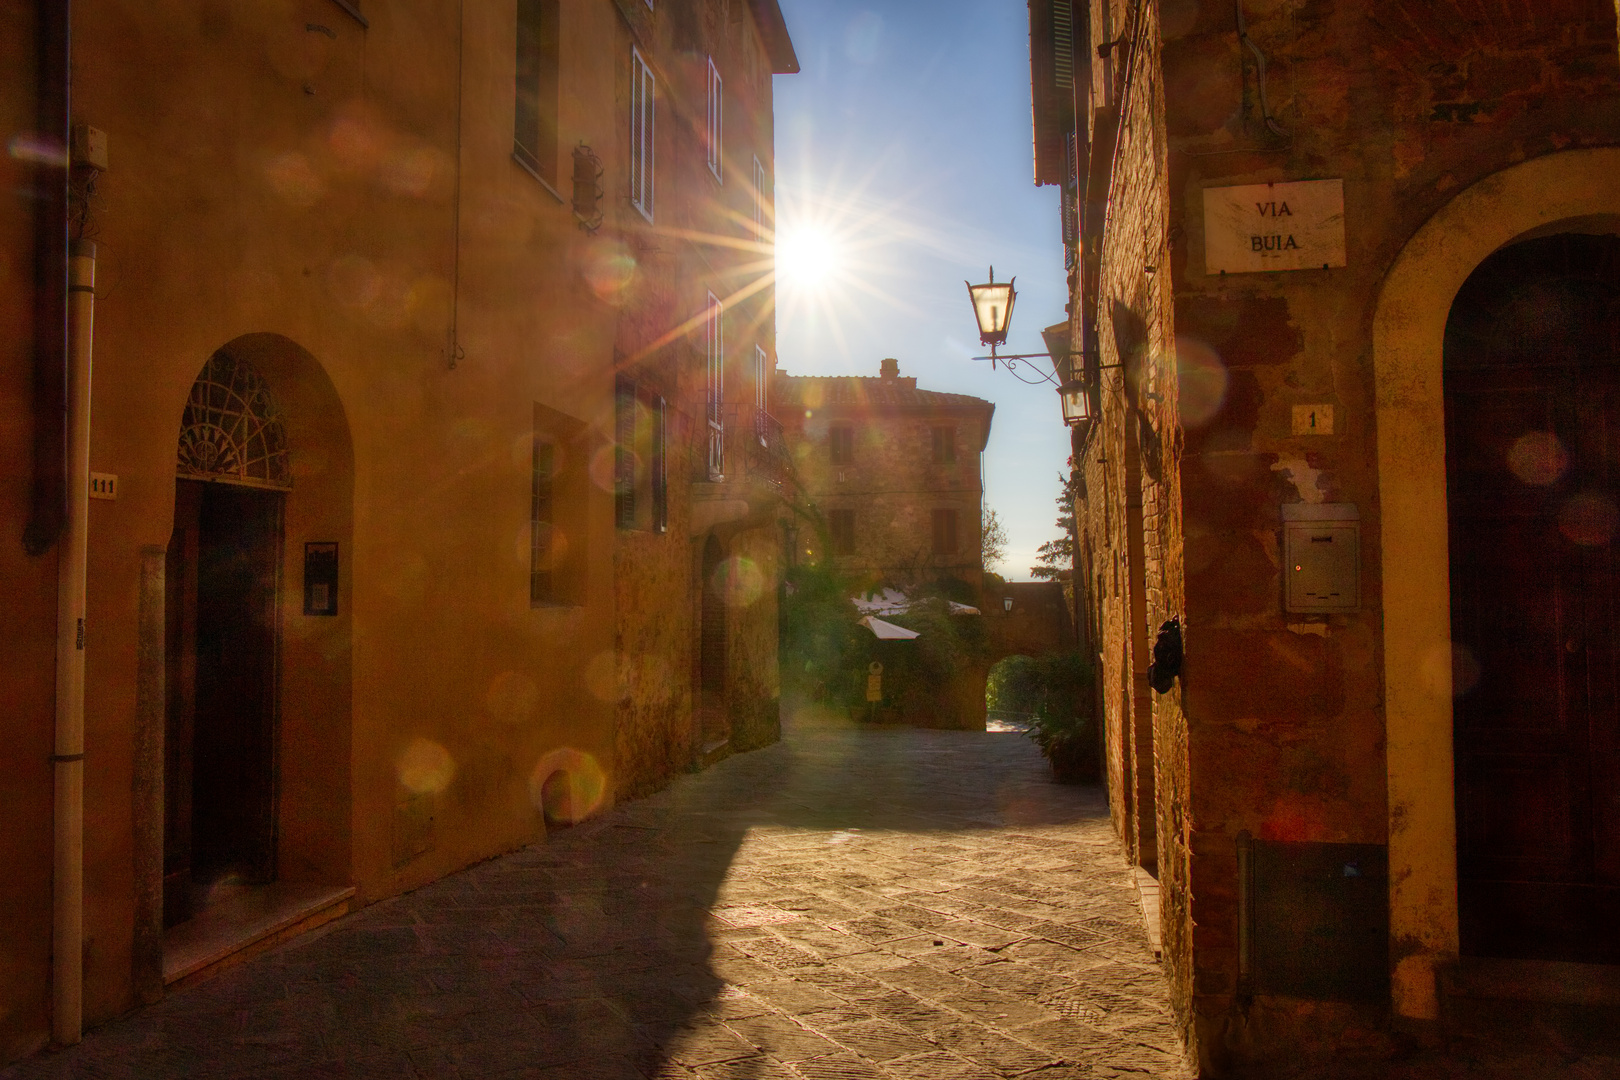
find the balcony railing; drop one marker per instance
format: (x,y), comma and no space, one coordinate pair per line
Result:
(742,441)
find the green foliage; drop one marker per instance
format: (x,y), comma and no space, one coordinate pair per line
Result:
(1055,558)
(949,644)
(992,539)
(1058,684)
(1056,691)
(822,643)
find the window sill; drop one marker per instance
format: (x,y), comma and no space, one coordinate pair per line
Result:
(522,160)
(354,12)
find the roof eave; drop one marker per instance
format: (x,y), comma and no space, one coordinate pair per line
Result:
(773,29)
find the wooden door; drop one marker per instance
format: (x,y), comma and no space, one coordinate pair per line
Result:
(223,562)
(712,659)
(1532,391)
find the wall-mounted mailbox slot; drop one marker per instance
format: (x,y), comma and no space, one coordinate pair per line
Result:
(1322,546)
(320,578)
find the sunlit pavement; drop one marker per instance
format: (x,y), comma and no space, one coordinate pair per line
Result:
(851,903)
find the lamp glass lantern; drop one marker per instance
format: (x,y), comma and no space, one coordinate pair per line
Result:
(992,307)
(1076,399)
(1006,604)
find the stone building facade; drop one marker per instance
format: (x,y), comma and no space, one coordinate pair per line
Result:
(414,332)
(1321,253)
(891,475)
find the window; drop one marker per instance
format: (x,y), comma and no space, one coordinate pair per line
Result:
(712,134)
(945,532)
(761,381)
(714,351)
(534,134)
(944,446)
(558,482)
(642,94)
(760,214)
(640,475)
(841,445)
(841,526)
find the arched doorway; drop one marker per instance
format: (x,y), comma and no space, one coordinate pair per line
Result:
(714,726)
(1569,191)
(222,639)
(1532,402)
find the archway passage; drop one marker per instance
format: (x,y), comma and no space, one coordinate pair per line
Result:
(222,640)
(1532,408)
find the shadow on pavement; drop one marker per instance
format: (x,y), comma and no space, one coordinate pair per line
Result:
(591,955)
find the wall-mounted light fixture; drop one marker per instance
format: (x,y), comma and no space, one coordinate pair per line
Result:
(992,307)
(1006,604)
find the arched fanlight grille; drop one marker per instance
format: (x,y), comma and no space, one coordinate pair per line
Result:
(232,428)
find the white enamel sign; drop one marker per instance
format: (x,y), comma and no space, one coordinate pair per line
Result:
(1297,225)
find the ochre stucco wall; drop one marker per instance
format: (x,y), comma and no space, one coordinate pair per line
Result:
(325,200)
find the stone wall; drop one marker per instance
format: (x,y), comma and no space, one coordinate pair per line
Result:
(1276,729)
(892,483)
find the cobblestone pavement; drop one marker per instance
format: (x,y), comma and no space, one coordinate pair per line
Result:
(850,903)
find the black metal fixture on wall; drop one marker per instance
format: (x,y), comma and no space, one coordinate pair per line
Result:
(1166,664)
(1076,384)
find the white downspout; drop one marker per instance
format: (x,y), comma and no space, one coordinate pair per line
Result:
(67,927)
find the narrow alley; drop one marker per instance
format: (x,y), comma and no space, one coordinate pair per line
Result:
(849,903)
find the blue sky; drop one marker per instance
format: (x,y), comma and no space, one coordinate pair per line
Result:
(903,161)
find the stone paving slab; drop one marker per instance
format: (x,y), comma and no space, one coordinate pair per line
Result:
(891,904)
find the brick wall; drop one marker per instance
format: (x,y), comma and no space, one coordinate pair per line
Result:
(1276,728)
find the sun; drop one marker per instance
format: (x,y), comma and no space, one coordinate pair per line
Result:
(807,258)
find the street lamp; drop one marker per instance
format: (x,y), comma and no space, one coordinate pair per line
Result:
(1006,604)
(1076,400)
(992,307)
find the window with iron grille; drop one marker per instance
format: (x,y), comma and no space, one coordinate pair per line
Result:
(944,446)
(643,92)
(841,444)
(841,527)
(534,128)
(713,128)
(945,532)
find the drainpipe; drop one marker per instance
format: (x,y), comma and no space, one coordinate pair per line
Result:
(67,937)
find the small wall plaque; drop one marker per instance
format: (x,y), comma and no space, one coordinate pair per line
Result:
(320,578)
(1313,419)
(1298,225)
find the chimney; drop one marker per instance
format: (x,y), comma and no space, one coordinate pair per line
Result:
(890,368)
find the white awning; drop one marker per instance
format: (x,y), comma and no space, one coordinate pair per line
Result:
(887,631)
(894,602)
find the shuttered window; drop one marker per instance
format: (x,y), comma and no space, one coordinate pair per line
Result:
(945,532)
(640,475)
(714,126)
(841,445)
(841,525)
(534,127)
(643,92)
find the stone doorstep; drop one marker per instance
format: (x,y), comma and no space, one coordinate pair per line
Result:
(714,752)
(246,925)
(1542,981)
(1147,897)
